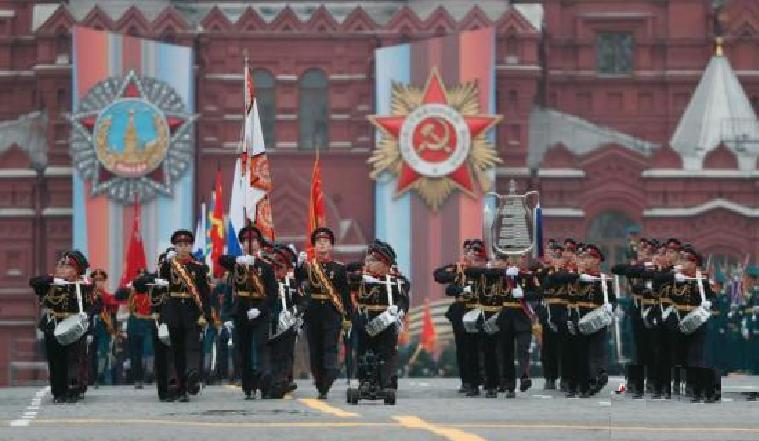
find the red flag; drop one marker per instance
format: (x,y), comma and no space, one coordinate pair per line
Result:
(217,228)
(135,255)
(316,213)
(428,337)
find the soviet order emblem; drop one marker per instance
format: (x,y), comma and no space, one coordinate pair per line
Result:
(434,140)
(131,138)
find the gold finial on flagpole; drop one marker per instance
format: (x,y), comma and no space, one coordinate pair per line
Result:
(719,49)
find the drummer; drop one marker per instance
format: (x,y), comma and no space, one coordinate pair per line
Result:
(60,299)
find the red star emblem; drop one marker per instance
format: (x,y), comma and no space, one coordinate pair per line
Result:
(434,139)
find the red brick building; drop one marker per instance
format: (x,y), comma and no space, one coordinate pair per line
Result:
(592,93)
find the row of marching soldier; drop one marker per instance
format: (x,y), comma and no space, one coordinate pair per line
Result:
(500,303)
(276,293)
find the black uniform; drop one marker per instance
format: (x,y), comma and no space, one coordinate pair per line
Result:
(182,314)
(553,317)
(283,345)
(64,362)
(254,287)
(515,323)
(372,300)
(455,314)
(469,297)
(586,367)
(328,305)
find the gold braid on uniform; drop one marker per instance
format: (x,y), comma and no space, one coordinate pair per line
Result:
(315,270)
(244,274)
(182,272)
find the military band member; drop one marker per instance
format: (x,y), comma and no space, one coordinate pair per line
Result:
(447,275)
(325,284)
(466,289)
(290,304)
(382,299)
(751,326)
(186,311)
(255,291)
(553,316)
(59,300)
(522,288)
(491,290)
(686,295)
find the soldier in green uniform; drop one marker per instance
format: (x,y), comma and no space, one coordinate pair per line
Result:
(751,314)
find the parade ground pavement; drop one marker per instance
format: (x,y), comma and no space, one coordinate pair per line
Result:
(426,409)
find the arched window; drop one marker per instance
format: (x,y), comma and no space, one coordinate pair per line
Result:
(263,82)
(313,111)
(609,232)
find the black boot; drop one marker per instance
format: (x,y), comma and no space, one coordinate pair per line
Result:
(524,384)
(550,384)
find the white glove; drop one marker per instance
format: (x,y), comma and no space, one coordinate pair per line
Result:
(393,309)
(706,305)
(245,260)
(161,282)
(59,282)
(512,271)
(253,313)
(467,289)
(302,256)
(89,340)
(609,307)
(680,277)
(588,278)
(370,279)
(517,292)
(39,334)
(229,325)
(171,254)
(83,315)
(401,314)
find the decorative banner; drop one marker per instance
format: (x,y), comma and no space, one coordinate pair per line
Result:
(435,140)
(435,103)
(122,135)
(131,137)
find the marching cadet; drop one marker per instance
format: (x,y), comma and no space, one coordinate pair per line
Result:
(455,314)
(642,298)
(255,291)
(102,319)
(466,290)
(490,291)
(186,311)
(587,370)
(522,287)
(700,369)
(287,313)
(163,362)
(553,312)
(63,295)
(382,301)
(325,284)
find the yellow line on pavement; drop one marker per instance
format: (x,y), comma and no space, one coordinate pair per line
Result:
(326,408)
(446,432)
(219,424)
(599,427)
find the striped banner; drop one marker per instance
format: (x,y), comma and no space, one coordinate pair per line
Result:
(102,226)
(406,222)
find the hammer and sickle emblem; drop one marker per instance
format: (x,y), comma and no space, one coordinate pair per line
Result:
(431,140)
